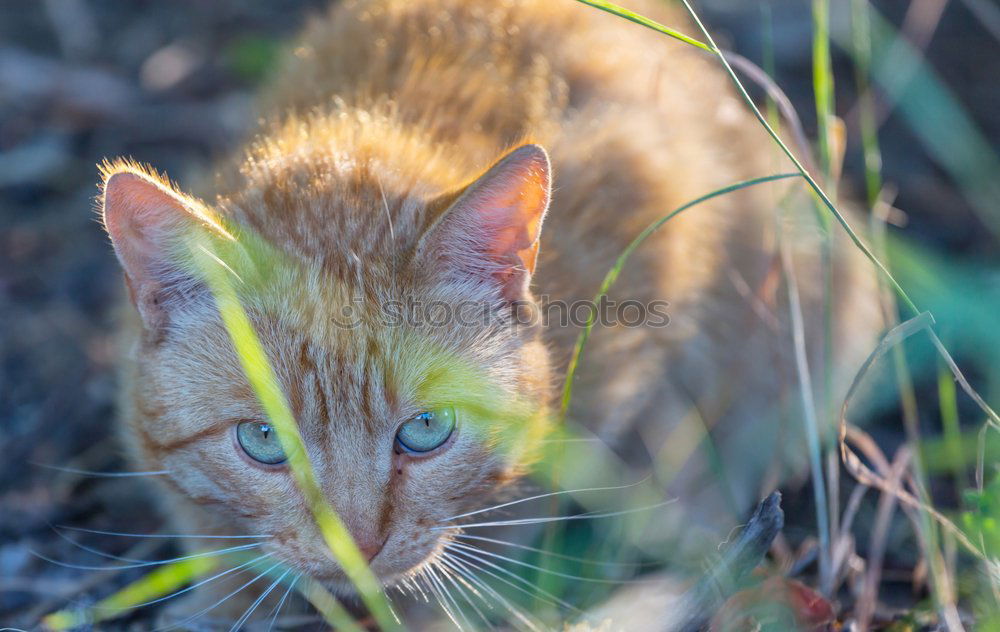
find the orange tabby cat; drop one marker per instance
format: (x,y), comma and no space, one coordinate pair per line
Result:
(413,149)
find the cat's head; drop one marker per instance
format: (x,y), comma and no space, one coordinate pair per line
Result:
(411,410)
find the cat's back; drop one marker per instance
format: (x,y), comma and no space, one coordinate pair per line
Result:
(435,90)
(461,60)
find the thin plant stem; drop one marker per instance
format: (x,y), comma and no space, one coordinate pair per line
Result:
(926,531)
(824,95)
(615,271)
(622,12)
(808,408)
(871,152)
(817,189)
(823,84)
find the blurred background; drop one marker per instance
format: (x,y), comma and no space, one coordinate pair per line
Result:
(172,83)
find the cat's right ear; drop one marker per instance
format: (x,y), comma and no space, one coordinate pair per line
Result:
(491,230)
(148,221)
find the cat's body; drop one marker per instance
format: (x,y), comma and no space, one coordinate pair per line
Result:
(381,118)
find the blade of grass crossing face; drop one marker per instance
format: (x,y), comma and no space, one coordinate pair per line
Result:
(265,384)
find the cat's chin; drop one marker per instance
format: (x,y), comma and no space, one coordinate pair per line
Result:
(338,583)
(340,586)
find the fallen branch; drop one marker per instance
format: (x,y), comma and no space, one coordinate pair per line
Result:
(739,558)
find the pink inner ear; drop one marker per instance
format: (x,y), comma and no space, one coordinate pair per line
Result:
(516,215)
(139,215)
(500,217)
(142,219)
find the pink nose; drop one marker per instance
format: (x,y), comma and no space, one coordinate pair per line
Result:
(369,547)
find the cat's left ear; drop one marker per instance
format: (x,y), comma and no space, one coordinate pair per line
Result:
(493,228)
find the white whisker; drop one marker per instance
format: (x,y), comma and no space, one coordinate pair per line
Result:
(415,587)
(73,470)
(277,608)
(583,516)
(533,593)
(91,549)
(385,205)
(574,440)
(571,558)
(443,590)
(446,579)
(222,263)
(257,602)
(465,570)
(445,559)
(460,586)
(219,602)
(422,578)
(83,567)
(163,535)
(404,588)
(200,583)
(545,570)
(548,495)
(438,597)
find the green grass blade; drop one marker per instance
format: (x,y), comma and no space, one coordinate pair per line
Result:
(897,288)
(824,95)
(822,73)
(326,604)
(272,399)
(160,582)
(615,271)
(952,431)
(622,12)
(862,51)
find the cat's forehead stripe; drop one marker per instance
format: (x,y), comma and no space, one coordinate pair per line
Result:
(348,384)
(345,220)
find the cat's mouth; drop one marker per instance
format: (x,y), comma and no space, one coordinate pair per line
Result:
(395,559)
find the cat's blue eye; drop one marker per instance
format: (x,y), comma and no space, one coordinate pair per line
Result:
(260,441)
(428,430)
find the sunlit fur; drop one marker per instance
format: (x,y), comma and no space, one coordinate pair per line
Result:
(374,123)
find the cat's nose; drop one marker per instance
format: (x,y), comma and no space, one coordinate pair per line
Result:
(361,525)
(370,547)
